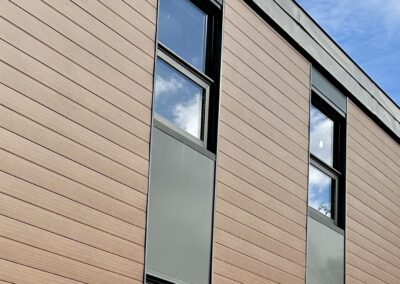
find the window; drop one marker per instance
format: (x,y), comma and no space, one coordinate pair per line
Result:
(185,99)
(183,142)
(326,190)
(325,194)
(179,101)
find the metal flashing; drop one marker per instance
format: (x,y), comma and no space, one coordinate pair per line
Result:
(303,30)
(326,89)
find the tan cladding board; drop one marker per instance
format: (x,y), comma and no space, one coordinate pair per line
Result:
(373,242)
(76,80)
(262,154)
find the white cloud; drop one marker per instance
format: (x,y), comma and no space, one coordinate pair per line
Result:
(188,115)
(170,86)
(321,136)
(369,31)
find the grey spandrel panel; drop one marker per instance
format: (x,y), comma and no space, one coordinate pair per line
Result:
(180,212)
(328,90)
(325,254)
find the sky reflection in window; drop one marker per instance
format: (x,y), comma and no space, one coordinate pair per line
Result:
(321,136)
(320,191)
(182,28)
(178,99)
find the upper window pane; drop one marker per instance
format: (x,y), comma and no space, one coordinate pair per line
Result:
(320,191)
(178,99)
(182,28)
(321,133)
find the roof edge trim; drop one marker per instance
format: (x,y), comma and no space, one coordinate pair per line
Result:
(303,30)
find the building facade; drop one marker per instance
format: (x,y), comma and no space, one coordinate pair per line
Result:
(191,141)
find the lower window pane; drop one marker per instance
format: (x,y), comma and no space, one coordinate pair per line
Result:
(178,99)
(320,191)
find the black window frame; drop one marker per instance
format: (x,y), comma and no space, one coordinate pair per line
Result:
(208,80)
(336,171)
(150,279)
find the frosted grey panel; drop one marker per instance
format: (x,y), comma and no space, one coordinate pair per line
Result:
(328,90)
(325,254)
(180,212)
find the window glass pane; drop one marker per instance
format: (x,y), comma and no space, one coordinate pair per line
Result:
(182,28)
(321,136)
(320,191)
(178,99)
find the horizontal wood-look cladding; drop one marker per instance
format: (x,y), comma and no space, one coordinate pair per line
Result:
(260,223)
(373,198)
(75,106)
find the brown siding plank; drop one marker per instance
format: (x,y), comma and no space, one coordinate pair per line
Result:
(298,149)
(66,167)
(235,61)
(378,136)
(109,37)
(44,199)
(17,273)
(258,253)
(80,46)
(144,8)
(241,275)
(49,39)
(285,83)
(373,216)
(66,138)
(244,232)
(131,16)
(70,189)
(388,269)
(361,275)
(260,196)
(254,266)
(269,34)
(255,208)
(262,169)
(261,100)
(262,163)
(69,69)
(372,247)
(266,114)
(366,149)
(261,182)
(53,263)
(265,94)
(129,32)
(263,49)
(76,91)
(259,225)
(62,246)
(240,125)
(75,103)
(57,224)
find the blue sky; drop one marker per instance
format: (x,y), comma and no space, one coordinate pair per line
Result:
(369,31)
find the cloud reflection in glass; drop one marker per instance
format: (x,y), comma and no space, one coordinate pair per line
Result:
(320,191)
(178,99)
(321,136)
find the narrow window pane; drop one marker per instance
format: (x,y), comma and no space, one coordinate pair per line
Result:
(321,136)
(320,191)
(178,99)
(182,28)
